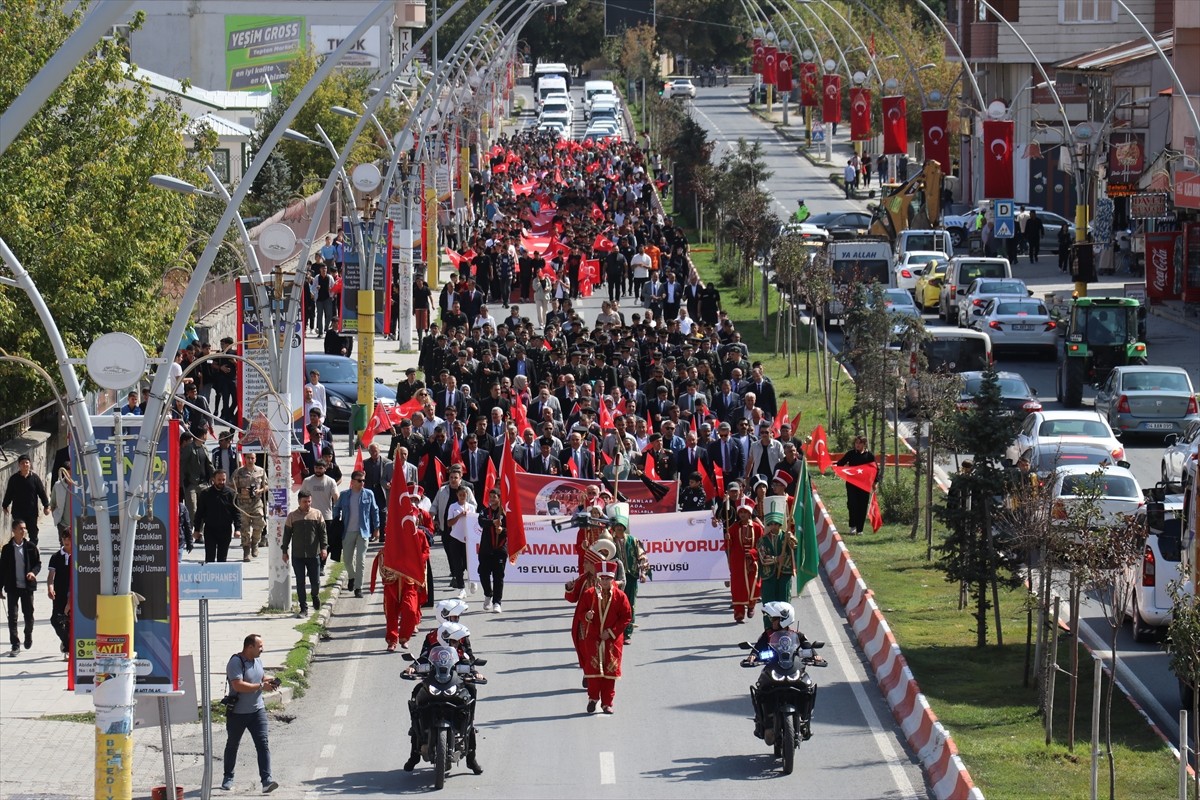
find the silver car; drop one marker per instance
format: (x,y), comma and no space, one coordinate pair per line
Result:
(1147,399)
(1180,458)
(982,290)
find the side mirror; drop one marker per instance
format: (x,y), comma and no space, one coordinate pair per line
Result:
(407,656)
(744,645)
(379,380)
(1029,292)
(481,662)
(1171,439)
(1123,464)
(816,645)
(977,312)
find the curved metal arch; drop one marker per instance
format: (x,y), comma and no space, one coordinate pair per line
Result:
(912,71)
(1179,87)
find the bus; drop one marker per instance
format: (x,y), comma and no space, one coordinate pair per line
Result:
(948,350)
(545,69)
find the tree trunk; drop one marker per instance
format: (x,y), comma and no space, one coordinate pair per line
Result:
(991,562)
(918,468)
(1029,654)
(1073,686)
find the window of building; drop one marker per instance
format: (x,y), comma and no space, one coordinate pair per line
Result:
(1008,9)
(1072,12)
(221,164)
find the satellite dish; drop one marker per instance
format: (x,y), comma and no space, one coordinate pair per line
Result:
(366,178)
(277,241)
(116,361)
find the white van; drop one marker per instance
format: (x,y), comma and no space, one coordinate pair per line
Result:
(593,88)
(938,241)
(550,70)
(551,84)
(959,274)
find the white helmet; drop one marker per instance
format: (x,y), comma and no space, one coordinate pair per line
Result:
(451,633)
(451,608)
(781,611)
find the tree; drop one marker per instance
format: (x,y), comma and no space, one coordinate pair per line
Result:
(700,31)
(76,204)
(1183,643)
(572,34)
(971,553)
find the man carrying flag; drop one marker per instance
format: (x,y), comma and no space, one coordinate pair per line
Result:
(402,561)
(857,468)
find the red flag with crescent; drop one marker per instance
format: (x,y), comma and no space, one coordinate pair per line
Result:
(510,501)
(862,476)
(780,418)
(769,56)
(818,449)
(934,123)
(998,159)
(756,58)
(831,106)
(783,72)
(895,125)
(808,84)
(874,514)
(860,114)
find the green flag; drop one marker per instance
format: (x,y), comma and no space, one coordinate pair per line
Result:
(808,559)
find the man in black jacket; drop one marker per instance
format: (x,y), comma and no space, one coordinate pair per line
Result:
(21,495)
(20,564)
(217,512)
(58,588)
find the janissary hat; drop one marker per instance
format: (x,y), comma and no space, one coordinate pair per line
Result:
(784,477)
(775,509)
(747,504)
(618,514)
(608,568)
(604,547)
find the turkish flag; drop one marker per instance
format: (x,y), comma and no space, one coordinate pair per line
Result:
(769,56)
(777,425)
(518,415)
(604,416)
(510,501)
(651,466)
(783,72)
(937,139)
(796,420)
(860,113)
(380,421)
(819,449)
(358,460)
(489,480)
(808,84)
(455,450)
(603,244)
(756,59)
(998,159)
(399,413)
(874,514)
(719,479)
(862,476)
(895,125)
(710,485)
(831,108)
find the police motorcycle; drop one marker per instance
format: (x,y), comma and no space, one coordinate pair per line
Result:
(442,708)
(784,694)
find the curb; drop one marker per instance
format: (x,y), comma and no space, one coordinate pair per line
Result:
(927,737)
(310,642)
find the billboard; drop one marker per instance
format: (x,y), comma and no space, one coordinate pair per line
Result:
(381,280)
(627,14)
(363,55)
(252,346)
(259,47)
(556,495)
(155,562)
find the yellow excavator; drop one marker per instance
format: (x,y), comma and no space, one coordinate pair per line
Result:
(915,204)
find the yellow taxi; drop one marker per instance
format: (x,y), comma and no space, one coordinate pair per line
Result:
(929,286)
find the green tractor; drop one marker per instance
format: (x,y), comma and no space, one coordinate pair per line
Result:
(1102,333)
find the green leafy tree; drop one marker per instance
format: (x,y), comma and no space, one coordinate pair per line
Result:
(972,554)
(572,34)
(1183,643)
(700,30)
(76,205)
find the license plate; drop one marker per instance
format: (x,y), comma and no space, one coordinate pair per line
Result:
(1022,327)
(1159,426)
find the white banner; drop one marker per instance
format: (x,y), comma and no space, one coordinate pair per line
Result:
(684,546)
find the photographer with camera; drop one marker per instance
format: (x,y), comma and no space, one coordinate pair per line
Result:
(248,681)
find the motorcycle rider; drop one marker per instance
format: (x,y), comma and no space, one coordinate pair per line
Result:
(456,636)
(782,618)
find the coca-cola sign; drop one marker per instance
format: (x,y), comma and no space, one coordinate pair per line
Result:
(1161,248)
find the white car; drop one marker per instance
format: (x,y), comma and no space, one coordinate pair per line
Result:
(558,104)
(552,127)
(557,118)
(681,87)
(1047,428)
(1150,609)
(1017,323)
(1181,456)
(1115,491)
(910,267)
(981,290)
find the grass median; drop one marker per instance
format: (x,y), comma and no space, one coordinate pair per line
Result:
(977,693)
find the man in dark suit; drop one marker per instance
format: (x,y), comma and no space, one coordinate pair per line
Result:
(318,436)
(526,451)
(764,391)
(726,453)
(475,461)
(575,459)
(522,365)
(689,459)
(544,463)
(20,564)
(451,397)
(725,401)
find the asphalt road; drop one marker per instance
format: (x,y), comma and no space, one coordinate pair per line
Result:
(723,113)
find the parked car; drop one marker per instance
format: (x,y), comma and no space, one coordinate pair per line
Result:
(1140,398)
(1062,427)
(339,375)
(1150,604)
(981,290)
(1045,459)
(842,224)
(681,87)
(929,286)
(805,230)
(1180,458)
(1017,323)
(964,270)
(1015,394)
(1115,490)
(1051,223)
(910,266)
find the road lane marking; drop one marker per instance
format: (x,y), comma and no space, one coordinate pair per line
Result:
(335,730)
(320,773)
(341,710)
(328,750)
(608,768)
(883,739)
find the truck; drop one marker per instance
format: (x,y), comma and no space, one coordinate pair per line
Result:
(916,203)
(854,263)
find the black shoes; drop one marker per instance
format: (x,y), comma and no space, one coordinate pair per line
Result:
(473,765)
(350,585)
(411,764)
(358,593)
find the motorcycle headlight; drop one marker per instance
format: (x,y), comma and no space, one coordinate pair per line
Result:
(433,689)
